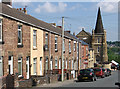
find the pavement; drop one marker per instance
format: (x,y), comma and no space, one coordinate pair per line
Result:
(107,82)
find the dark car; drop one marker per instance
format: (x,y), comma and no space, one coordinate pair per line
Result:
(87,74)
(99,72)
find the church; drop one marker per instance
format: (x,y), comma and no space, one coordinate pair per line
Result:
(96,40)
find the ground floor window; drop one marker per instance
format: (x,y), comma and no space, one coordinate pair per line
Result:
(66,63)
(20,66)
(56,63)
(46,63)
(34,66)
(10,64)
(1,67)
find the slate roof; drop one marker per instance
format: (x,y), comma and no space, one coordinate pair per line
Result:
(15,14)
(99,25)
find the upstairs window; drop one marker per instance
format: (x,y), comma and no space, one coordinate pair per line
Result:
(19,35)
(46,39)
(69,46)
(56,46)
(34,38)
(0,30)
(98,49)
(64,45)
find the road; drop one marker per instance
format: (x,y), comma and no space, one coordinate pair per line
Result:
(100,83)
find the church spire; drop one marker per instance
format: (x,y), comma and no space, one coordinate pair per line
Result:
(99,24)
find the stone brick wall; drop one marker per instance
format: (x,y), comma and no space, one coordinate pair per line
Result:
(10,46)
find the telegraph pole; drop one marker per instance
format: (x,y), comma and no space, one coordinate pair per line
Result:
(62,48)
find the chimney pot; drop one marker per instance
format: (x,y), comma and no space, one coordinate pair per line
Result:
(8,2)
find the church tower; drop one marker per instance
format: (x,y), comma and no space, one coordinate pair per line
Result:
(99,43)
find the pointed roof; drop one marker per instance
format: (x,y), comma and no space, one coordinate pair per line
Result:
(99,25)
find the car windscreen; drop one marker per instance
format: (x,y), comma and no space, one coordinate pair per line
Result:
(97,70)
(85,71)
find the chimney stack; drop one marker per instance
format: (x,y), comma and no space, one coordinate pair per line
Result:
(73,33)
(7,2)
(82,29)
(68,31)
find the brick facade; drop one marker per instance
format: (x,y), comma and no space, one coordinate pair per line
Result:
(10,46)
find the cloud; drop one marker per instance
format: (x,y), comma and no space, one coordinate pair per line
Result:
(80,27)
(51,8)
(110,7)
(75,7)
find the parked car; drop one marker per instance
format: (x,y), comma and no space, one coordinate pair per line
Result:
(87,74)
(109,71)
(99,72)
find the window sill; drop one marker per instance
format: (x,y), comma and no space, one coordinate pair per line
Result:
(20,45)
(1,42)
(56,50)
(34,48)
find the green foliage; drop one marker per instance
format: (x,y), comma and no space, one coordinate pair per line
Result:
(114,54)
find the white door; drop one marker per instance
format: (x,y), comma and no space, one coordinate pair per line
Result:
(1,67)
(59,63)
(27,67)
(10,64)
(51,65)
(40,65)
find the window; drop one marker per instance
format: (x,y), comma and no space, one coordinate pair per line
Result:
(19,35)
(46,63)
(46,38)
(34,39)
(34,66)
(20,67)
(74,47)
(1,67)
(46,41)
(64,45)
(98,49)
(72,64)
(0,30)
(69,46)
(82,51)
(56,63)
(69,64)
(98,40)
(56,38)
(86,51)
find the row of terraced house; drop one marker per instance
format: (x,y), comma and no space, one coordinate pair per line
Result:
(30,47)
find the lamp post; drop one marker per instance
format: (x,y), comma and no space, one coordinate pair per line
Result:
(62,48)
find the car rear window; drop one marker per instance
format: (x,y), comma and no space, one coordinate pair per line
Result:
(97,70)
(85,71)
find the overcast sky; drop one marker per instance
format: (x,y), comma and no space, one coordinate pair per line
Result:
(77,15)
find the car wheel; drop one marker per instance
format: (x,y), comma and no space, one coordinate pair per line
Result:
(95,78)
(92,79)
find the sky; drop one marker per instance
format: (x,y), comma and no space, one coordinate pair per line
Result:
(77,15)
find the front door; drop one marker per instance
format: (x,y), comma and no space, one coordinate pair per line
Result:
(1,67)
(10,64)
(27,67)
(40,65)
